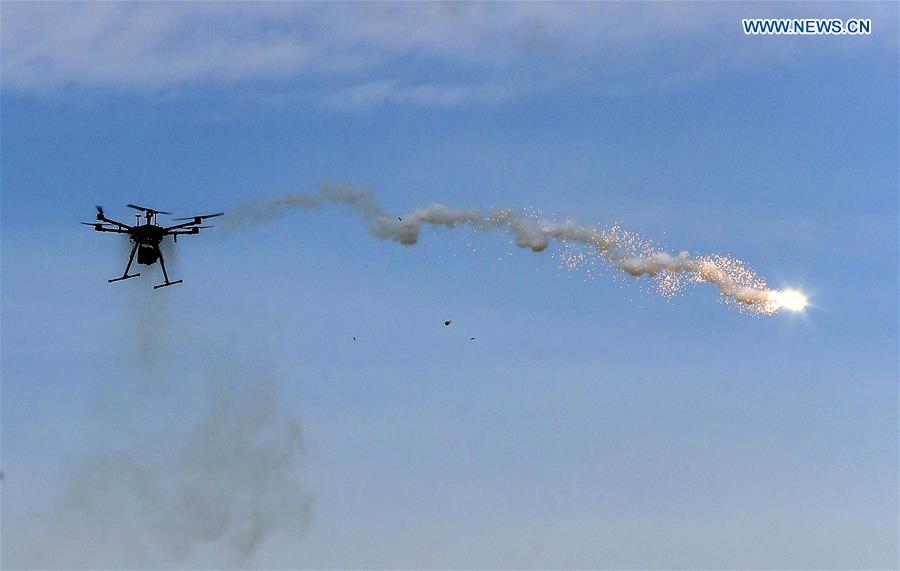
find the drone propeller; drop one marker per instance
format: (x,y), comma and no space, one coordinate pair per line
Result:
(94,224)
(145,209)
(201,217)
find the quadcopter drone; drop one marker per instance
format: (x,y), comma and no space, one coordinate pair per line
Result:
(146,237)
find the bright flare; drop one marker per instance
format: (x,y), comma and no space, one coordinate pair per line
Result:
(789,299)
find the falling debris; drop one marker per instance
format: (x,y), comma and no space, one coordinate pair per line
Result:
(471,339)
(448,322)
(739,286)
(354,338)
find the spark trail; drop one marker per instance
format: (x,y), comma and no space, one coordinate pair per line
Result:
(739,285)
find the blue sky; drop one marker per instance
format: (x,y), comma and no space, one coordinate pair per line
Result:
(588,425)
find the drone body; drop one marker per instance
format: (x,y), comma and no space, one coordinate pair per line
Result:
(147,237)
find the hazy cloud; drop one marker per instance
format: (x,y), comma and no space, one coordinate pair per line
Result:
(422,95)
(426,54)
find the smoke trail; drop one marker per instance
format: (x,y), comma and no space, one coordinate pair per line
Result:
(194,469)
(207,494)
(739,285)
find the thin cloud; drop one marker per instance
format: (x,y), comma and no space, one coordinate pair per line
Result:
(423,54)
(423,95)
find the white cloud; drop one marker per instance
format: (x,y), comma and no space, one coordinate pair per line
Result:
(421,95)
(137,47)
(428,54)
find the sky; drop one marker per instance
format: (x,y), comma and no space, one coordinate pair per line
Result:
(298,401)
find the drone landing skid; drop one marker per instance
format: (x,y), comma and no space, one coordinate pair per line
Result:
(167,284)
(125,277)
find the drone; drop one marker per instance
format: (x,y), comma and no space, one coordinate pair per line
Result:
(146,237)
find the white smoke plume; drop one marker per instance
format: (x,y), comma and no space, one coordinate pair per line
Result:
(738,284)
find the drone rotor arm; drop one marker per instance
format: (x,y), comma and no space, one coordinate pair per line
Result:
(185,231)
(101,227)
(102,217)
(187,225)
